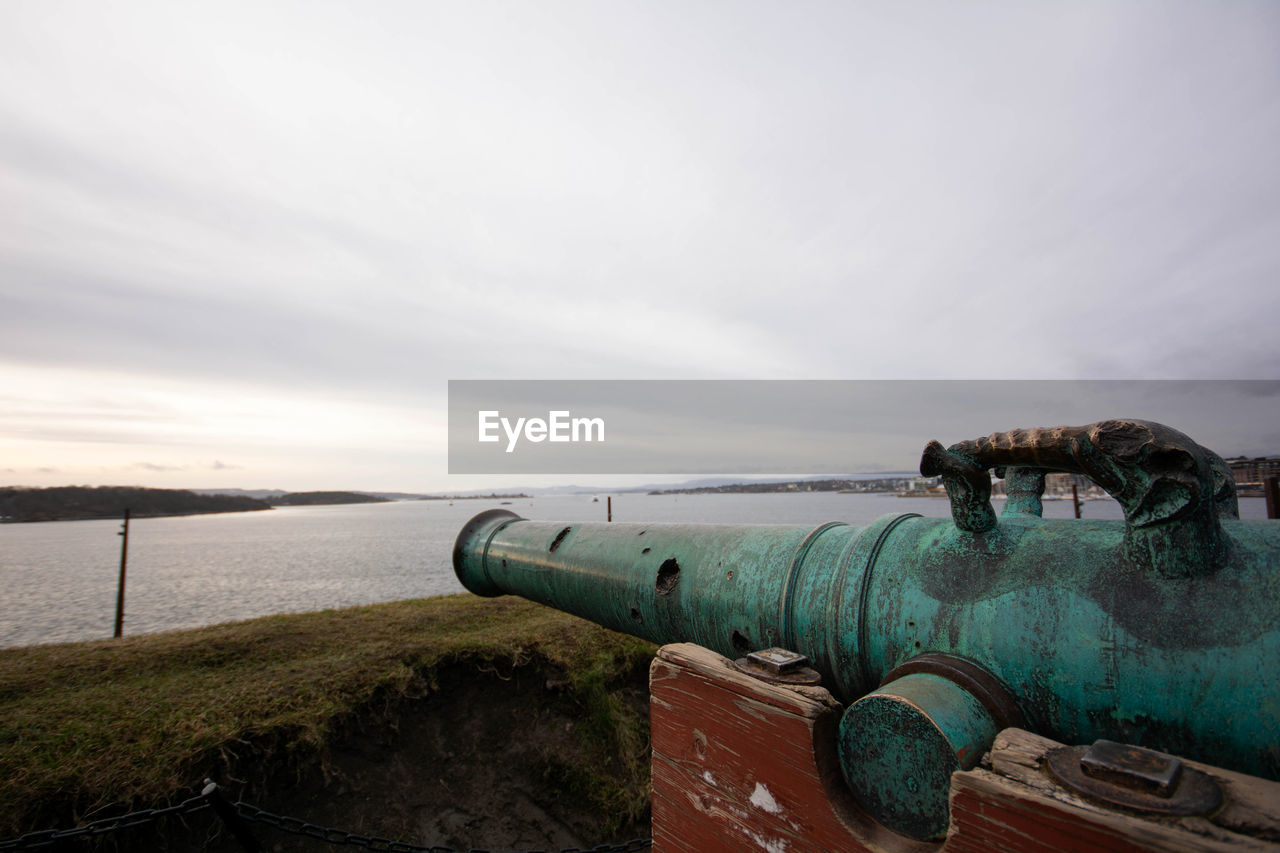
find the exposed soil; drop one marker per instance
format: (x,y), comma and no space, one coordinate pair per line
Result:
(498,758)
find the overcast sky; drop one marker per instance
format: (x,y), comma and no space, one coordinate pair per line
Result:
(247,244)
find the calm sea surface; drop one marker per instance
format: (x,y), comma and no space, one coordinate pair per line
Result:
(58,579)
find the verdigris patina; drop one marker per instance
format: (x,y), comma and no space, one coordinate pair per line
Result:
(1171,489)
(1161,630)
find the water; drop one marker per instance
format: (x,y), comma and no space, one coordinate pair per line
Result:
(58,579)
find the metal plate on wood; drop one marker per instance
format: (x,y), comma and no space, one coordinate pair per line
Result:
(1122,783)
(1132,767)
(779,666)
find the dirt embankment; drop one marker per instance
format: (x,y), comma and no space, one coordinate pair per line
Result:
(504,756)
(461,722)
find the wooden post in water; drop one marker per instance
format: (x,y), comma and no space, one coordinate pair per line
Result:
(1075,498)
(124,555)
(609,504)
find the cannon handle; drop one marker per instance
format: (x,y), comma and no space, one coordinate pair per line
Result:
(1171,489)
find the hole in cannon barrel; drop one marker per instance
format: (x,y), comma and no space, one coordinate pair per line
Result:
(555,543)
(741,642)
(668,576)
(635,615)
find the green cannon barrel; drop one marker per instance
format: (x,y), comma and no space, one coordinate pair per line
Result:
(1079,630)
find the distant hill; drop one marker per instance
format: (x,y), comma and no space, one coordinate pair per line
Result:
(878,484)
(65,503)
(260,494)
(318,498)
(272,494)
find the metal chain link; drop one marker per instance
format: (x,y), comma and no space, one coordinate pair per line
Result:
(331,835)
(248,811)
(49,837)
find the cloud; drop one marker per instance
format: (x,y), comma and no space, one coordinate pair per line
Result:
(219,465)
(621,191)
(153,466)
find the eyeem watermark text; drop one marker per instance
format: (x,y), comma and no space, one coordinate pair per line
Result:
(558,426)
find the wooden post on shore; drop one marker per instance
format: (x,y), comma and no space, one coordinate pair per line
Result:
(609,504)
(124,556)
(1075,498)
(1271,488)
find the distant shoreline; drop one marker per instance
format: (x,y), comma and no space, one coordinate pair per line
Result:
(134,516)
(521,496)
(19,505)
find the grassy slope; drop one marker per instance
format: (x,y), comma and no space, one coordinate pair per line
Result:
(136,722)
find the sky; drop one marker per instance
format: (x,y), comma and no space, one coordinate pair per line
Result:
(247,244)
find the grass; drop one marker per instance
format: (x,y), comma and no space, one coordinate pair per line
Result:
(88,729)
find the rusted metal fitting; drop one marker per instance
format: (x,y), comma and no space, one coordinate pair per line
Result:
(1134,778)
(779,666)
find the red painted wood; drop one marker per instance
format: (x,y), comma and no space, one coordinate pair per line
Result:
(740,764)
(982,822)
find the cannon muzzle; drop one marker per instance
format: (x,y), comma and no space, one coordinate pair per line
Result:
(1162,630)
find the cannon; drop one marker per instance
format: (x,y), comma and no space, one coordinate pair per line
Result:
(1161,630)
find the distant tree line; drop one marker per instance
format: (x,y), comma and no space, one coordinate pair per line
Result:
(60,503)
(314,498)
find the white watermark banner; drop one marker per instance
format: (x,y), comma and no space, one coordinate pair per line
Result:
(813,426)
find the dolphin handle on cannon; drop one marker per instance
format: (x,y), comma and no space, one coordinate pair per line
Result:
(1161,630)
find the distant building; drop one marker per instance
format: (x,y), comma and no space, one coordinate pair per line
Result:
(1060,484)
(1249,473)
(1057,485)
(922,484)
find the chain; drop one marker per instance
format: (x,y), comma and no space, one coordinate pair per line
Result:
(49,837)
(327,834)
(330,835)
